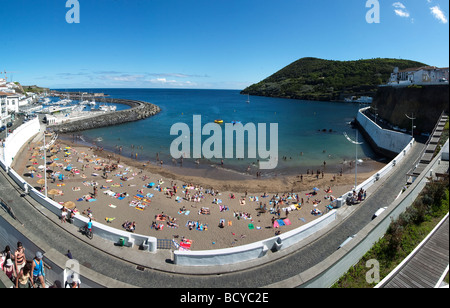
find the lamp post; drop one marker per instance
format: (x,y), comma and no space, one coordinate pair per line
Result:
(356,143)
(45,164)
(412,118)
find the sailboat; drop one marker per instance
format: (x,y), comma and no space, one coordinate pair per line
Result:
(248,98)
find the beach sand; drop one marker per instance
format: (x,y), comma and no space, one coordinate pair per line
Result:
(110,210)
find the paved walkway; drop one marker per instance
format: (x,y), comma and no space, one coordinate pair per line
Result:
(120,263)
(426,266)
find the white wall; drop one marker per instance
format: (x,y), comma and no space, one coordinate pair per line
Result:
(386,139)
(18,138)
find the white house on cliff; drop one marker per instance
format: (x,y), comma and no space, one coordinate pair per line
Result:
(426,75)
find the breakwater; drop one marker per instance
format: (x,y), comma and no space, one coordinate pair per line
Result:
(139,110)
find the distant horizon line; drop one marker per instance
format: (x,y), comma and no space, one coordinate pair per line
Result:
(82,88)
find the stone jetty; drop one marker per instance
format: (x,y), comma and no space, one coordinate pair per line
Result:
(139,110)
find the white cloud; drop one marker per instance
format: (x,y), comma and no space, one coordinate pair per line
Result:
(399,5)
(170,82)
(400,10)
(439,14)
(401,13)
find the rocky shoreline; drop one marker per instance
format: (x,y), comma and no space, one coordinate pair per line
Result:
(139,110)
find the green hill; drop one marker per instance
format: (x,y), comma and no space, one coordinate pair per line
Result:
(326,80)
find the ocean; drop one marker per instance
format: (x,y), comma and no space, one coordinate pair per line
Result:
(309,132)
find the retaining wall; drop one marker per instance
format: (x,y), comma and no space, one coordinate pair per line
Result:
(22,133)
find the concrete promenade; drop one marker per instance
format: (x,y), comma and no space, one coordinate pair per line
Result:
(120,263)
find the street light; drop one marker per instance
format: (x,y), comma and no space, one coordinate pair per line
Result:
(45,164)
(412,118)
(356,143)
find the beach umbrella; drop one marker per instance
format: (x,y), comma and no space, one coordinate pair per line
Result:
(52,165)
(54,192)
(31,168)
(41,182)
(69,205)
(33,160)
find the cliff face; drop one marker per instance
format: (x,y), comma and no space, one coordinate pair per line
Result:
(139,110)
(425,102)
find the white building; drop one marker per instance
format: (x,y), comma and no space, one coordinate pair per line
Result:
(4,116)
(12,102)
(425,75)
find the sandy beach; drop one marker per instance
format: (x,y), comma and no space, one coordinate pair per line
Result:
(173,205)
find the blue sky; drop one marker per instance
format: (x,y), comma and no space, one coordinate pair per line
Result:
(217,44)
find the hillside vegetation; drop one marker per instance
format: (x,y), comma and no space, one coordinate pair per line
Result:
(326,80)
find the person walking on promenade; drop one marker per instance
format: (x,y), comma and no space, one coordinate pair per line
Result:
(19,257)
(24,280)
(37,268)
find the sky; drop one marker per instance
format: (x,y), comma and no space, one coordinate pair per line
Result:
(207,44)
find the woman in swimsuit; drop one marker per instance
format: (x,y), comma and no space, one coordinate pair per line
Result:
(19,257)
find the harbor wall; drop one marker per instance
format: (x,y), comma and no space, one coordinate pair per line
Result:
(139,110)
(385,142)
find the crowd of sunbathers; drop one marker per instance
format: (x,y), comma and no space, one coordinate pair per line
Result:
(129,226)
(160,218)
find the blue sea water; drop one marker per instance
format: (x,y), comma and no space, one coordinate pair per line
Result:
(302,142)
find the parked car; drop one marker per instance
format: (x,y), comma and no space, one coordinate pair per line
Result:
(378,213)
(9,124)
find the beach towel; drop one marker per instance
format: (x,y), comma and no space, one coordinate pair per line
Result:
(275,224)
(92,200)
(109,219)
(112,206)
(251,226)
(302,219)
(185,246)
(287,222)
(281,222)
